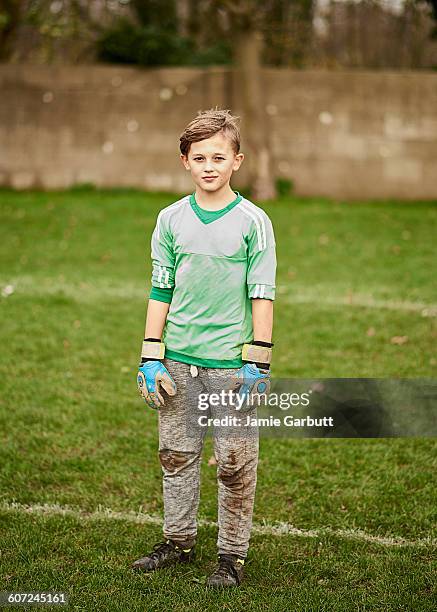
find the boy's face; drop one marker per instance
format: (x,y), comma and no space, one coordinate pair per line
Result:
(211,162)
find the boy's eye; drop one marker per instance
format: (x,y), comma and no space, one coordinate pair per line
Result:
(201,158)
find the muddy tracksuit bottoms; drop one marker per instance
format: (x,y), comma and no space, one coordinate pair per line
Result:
(180,446)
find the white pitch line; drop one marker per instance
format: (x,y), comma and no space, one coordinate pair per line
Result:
(362,301)
(92,290)
(275,529)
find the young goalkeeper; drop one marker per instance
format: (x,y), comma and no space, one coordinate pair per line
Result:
(209,319)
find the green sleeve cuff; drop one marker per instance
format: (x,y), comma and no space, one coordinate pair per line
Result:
(161,295)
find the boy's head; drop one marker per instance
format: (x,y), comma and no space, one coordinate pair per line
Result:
(210,148)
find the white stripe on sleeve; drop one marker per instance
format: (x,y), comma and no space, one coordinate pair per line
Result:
(258,218)
(257,225)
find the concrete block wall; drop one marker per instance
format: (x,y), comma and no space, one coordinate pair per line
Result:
(356,134)
(351,135)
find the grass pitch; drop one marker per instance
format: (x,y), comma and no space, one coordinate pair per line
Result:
(356,297)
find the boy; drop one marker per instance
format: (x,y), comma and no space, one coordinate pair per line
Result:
(213,286)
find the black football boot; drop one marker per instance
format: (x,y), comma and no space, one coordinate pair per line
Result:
(229,572)
(164,554)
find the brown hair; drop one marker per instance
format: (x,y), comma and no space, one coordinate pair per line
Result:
(207,124)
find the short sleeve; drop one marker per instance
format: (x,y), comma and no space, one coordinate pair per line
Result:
(163,258)
(261,270)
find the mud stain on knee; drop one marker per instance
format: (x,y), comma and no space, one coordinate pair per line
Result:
(229,473)
(173,460)
(232,479)
(228,478)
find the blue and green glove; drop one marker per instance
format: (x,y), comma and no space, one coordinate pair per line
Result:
(152,374)
(253,378)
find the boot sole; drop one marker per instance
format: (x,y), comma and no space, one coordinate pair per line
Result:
(222,586)
(144,570)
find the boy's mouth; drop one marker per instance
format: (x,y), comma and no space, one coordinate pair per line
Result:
(209,178)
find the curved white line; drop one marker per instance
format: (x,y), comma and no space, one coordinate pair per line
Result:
(274,529)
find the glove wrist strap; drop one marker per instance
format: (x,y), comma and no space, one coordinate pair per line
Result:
(152,348)
(258,353)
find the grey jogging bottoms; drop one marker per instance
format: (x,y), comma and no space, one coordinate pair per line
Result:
(180,447)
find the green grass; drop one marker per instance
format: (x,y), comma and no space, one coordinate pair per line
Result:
(74,431)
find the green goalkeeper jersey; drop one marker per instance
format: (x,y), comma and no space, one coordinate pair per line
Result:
(208,265)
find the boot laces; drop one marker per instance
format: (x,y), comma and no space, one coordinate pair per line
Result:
(161,549)
(226,567)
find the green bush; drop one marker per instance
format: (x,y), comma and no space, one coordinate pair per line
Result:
(284,187)
(150,45)
(126,43)
(220,53)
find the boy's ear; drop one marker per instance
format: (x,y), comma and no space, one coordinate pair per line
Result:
(238,161)
(184,161)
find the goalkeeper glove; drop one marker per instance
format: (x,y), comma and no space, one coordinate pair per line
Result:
(253,377)
(152,374)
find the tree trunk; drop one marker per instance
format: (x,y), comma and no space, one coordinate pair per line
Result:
(11,11)
(248,95)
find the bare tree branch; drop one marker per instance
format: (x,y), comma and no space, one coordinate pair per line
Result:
(243,8)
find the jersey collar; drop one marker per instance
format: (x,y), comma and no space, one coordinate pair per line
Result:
(208,216)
